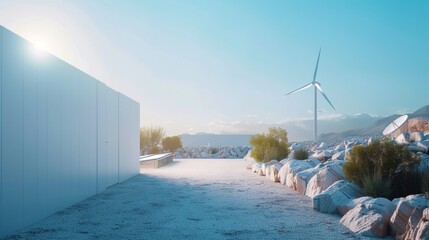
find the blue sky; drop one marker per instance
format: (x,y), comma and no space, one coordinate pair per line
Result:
(207,66)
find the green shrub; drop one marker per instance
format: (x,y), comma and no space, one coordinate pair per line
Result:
(383,169)
(376,186)
(301,154)
(172,143)
(425,183)
(269,146)
(376,158)
(214,151)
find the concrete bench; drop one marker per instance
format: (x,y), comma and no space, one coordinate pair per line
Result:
(155,160)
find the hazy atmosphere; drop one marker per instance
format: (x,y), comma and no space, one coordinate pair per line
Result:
(214,119)
(224,66)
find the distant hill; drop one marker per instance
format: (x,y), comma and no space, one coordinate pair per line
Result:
(204,139)
(421,112)
(377,127)
(298,130)
(302,130)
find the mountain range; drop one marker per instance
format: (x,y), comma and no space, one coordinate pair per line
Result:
(377,127)
(334,127)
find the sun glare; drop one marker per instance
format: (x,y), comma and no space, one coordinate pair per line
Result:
(39,46)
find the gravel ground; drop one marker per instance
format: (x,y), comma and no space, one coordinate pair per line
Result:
(192,199)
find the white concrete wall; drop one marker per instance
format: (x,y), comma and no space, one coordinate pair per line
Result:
(64,135)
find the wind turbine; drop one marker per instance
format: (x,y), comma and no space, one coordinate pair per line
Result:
(317,87)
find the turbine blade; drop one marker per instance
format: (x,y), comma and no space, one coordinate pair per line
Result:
(300,89)
(317,66)
(324,95)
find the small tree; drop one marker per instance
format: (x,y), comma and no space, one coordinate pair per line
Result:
(154,150)
(150,137)
(269,146)
(172,143)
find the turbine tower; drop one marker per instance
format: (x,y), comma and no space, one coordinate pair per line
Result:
(317,87)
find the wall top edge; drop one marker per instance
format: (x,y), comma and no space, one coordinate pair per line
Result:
(3,28)
(132,100)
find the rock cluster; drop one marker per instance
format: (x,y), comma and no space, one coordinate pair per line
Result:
(321,177)
(415,141)
(212,152)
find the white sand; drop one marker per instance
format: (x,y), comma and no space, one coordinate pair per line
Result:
(192,199)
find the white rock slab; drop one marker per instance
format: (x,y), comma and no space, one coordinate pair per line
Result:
(273,172)
(337,194)
(267,164)
(291,169)
(370,219)
(347,206)
(416,137)
(324,179)
(403,211)
(403,138)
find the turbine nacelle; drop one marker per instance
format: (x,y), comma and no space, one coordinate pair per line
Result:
(317,85)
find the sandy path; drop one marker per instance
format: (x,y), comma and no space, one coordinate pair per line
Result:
(192,199)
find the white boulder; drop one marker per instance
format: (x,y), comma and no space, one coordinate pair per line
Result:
(301,179)
(296,146)
(343,208)
(322,146)
(403,211)
(370,219)
(313,161)
(322,155)
(416,148)
(339,155)
(416,137)
(249,160)
(424,145)
(290,169)
(267,164)
(287,169)
(403,138)
(273,172)
(347,155)
(284,161)
(340,147)
(325,178)
(418,225)
(256,167)
(338,193)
